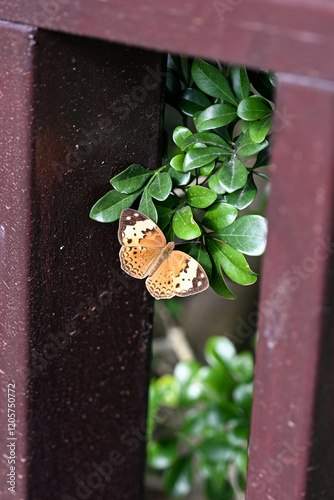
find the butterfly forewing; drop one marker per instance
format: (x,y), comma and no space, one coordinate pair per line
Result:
(136,229)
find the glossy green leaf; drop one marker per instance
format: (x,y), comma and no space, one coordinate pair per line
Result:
(131,179)
(193,100)
(243,197)
(200,197)
(177,162)
(211,81)
(111,205)
(259,129)
(216,450)
(161,454)
(253,108)
(263,158)
(219,216)
(178,478)
(207,169)
(199,157)
(168,390)
(179,178)
(219,351)
(217,115)
(240,82)
(147,207)
(246,147)
(233,175)
(180,134)
(243,395)
(161,186)
(184,225)
(247,234)
(225,491)
(217,282)
(216,183)
(242,367)
(207,138)
(233,262)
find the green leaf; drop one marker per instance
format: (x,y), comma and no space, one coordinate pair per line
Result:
(219,215)
(216,450)
(161,186)
(240,82)
(131,179)
(246,147)
(161,454)
(168,390)
(178,479)
(219,351)
(207,138)
(211,81)
(192,100)
(243,395)
(259,129)
(147,207)
(223,492)
(233,262)
(244,196)
(247,234)
(217,282)
(242,367)
(253,108)
(179,178)
(184,225)
(180,134)
(207,169)
(217,115)
(200,197)
(199,157)
(177,162)
(216,183)
(111,205)
(233,175)
(263,158)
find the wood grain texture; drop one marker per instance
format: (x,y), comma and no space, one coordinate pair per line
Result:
(76,330)
(291,444)
(294,36)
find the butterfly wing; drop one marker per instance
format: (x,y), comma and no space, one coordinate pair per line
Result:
(142,242)
(137,260)
(179,275)
(136,229)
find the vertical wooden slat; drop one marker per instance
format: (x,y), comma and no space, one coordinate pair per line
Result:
(85,336)
(292,441)
(16,82)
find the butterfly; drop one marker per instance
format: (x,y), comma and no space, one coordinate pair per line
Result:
(145,253)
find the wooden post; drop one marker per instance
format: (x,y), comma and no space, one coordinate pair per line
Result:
(291,445)
(75,330)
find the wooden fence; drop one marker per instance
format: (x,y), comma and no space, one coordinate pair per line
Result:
(75,334)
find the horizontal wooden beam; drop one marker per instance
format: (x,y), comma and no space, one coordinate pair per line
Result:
(295,36)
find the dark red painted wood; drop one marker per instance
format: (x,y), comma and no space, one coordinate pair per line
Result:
(75,330)
(295,36)
(291,445)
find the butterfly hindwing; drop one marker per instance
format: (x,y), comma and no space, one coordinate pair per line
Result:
(136,229)
(136,260)
(179,275)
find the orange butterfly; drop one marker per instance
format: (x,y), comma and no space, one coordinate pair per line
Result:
(146,253)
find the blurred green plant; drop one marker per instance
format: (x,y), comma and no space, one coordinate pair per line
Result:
(207,175)
(198,423)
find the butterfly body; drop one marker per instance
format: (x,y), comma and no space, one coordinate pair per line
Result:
(146,254)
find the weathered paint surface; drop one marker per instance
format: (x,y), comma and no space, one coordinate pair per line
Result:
(75,329)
